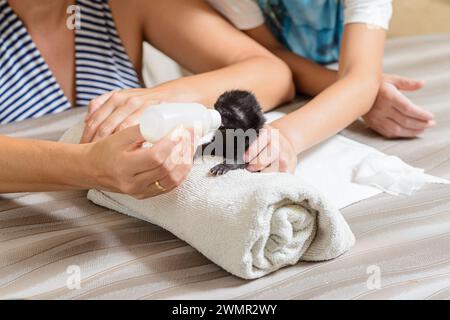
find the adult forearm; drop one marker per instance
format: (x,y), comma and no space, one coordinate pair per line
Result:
(251,74)
(330,112)
(115,164)
(30,165)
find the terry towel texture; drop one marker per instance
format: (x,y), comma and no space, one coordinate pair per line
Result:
(249,224)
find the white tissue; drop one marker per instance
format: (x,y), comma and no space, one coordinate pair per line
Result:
(392,175)
(346,172)
(330,166)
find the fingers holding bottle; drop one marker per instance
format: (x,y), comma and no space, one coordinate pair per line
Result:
(120,163)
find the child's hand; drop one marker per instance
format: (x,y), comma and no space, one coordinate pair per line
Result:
(393,115)
(271,152)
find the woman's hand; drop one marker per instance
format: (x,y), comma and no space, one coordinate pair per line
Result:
(119,163)
(395,116)
(271,152)
(117,110)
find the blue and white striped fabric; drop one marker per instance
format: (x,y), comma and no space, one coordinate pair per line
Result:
(28,88)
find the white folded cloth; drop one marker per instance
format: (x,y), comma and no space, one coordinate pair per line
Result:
(249,224)
(346,171)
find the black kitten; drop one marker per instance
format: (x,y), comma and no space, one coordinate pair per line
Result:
(240,112)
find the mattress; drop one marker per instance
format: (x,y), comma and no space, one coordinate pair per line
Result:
(402,249)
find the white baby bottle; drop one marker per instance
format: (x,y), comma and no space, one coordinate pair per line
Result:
(157,121)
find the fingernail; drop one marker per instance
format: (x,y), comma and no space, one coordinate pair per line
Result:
(432,123)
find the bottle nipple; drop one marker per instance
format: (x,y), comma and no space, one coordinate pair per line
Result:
(216,120)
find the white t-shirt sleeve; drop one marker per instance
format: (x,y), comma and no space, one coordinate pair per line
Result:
(372,12)
(244,14)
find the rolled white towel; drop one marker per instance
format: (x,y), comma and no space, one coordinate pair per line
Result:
(250,224)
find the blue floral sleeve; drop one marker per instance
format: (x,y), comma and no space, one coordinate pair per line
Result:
(310,28)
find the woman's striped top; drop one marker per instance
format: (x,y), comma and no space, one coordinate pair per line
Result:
(28,88)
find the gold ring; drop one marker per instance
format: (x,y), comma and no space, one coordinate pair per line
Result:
(159,186)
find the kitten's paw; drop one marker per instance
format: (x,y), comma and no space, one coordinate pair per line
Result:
(219,169)
(223,168)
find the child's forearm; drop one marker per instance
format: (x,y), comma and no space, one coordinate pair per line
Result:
(360,69)
(310,78)
(328,113)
